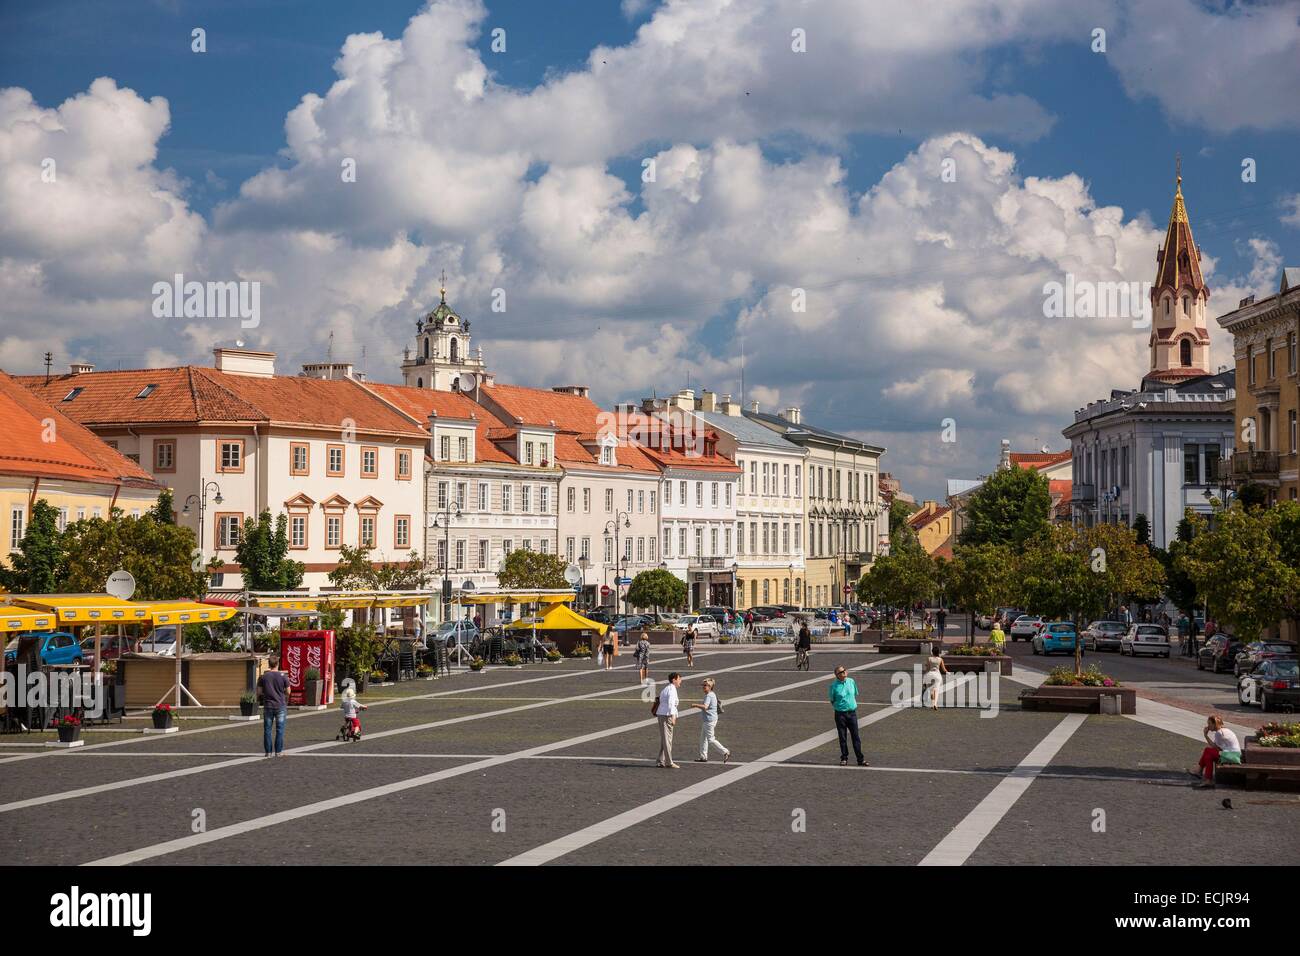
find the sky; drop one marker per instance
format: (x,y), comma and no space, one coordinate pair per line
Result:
(858,201)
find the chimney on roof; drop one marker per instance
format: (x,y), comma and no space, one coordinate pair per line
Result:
(729,407)
(792,415)
(753,406)
(330,370)
(80,368)
(708,401)
(582,391)
(684,399)
(244,362)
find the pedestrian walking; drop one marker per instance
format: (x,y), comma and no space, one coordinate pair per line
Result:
(688,645)
(709,709)
(643,656)
(844,701)
(273,694)
(997,638)
(802,645)
(610,648)
(933,678)
(1222,747)
(666,710)
(942,618)
(1183,631)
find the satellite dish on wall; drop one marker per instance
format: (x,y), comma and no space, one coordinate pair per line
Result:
(468,381)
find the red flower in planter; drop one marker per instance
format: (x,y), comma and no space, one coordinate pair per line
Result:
(69,720)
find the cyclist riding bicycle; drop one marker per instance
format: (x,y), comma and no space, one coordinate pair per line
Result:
(802,645)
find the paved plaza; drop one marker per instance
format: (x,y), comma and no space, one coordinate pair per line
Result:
(555,763)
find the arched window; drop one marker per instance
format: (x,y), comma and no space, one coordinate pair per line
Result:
(455,351)
(419,383)
(426,347)
(1185,352)
(1187,308)
(455,384)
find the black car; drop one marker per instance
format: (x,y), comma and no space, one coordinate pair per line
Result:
(1273,684)
(1218,653)
(1257,651)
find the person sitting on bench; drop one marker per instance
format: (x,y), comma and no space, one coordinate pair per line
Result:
(1223,748)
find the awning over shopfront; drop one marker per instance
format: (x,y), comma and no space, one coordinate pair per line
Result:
(85,608)
(24,619)
(188,612)
(343,600)
(531,596)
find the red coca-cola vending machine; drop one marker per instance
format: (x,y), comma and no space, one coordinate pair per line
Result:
(299,652)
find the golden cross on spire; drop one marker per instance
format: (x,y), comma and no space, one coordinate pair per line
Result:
(1178,167)
(444,285)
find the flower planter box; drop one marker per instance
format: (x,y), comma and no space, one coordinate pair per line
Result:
(162,719)
(1066,699)
(247,708)
(888,646)
(974,663)
(1272,756)
(68,734)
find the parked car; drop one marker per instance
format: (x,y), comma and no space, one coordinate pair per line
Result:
(1055,637)
(1274,684)
(719,614)
(1025,627)
(161,640)
(984,622)
(703,625)
(56,647)
(1254,652)
(1150,639)
(1104,635)
(1218,653)
(453,632)
(1004,617)
(111,647)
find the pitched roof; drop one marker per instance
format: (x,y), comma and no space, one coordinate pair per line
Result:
(1039,460)
(420,403)
(923,518)
(746,430)
(1178,263)
(657,439)
(576,419)
(193,394)
(73,453)
(786,427)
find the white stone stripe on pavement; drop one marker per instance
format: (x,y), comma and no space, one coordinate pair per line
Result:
(297,813)
(325,744)
(963,840)
(555,849)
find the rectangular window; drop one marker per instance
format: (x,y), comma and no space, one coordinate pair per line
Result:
(728,493)
(753,537)
(681,492)
(462,489)
(609,500)
(443,488)
(726,540)
(298,531)
(586,500)
(544,499)
(403,466)
(507,490)
(1250,364)
(765,478)
(228,530)
(81,514)
(367,535)
(1211,463)
(369,462)
(525,498)
(507,547)
(462,448)
(334,461)
(528,453)
(484,496)
(460,555)
(640,550)
(681,542)
(609,550)
(650,543)
(442,556)
(766,541)
(16,531)
(785,480)
(483,549)
(699,494)
(571,499)
(1291,428)
(640,502)
(230,455)
(699,542)
(753,478)
(164,456)
(629,501)
(402,531)
(785,537)
(713,541)
(713,493)
(586,549)
(333,531)
(627,550)
(1191,465)
(798,531)
(1269,360)
(444,448)
(1291,353)
(569,547)
(668,544)
(298,458)
(797,492)
(652,502)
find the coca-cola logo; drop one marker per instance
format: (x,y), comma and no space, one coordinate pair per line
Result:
(293,656)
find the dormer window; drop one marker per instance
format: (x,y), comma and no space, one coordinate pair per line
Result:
(607,456)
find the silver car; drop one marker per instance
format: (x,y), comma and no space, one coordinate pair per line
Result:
(1025,627)
(1150,639)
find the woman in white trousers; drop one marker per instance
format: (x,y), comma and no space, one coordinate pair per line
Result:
(709,724)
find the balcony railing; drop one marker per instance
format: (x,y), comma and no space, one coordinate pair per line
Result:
(714,564)
(1254,464)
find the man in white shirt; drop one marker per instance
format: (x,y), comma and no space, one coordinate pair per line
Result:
(667,714)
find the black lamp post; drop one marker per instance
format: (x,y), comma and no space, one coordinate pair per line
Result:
(442,519)
(202,501)
(613,527)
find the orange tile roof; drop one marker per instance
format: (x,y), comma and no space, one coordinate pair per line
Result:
(575,418)
(923,518)
(192,394)
(75,453)
(420,403)
(647,429)
(1039,460)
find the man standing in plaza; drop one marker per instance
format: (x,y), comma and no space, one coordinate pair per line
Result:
(273,692)
(844,701)
(667,714)
(942,619)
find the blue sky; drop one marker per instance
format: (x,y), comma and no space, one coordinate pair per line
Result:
(1043,98)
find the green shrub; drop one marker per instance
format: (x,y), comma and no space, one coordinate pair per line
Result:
(477,664)
(580,650)
(512,660)
(313,674)
(1092,677)
(248,697)
(974,650)
(554,656)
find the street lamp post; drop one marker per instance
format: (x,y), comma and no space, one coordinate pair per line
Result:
(613,526)
(202,501)
(442,519)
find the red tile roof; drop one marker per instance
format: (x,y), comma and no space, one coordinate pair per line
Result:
(646,431)
(923,518)
(575,418)
(420,403)
(74,453)
(192,394)
(1039,460)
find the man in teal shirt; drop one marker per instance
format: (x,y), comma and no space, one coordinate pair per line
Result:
(844,700)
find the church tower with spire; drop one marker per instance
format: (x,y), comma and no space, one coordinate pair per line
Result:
(1180,339)
(442,359)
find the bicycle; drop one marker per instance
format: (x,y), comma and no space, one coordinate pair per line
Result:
(802,659)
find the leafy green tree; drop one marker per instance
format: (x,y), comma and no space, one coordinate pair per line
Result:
(1180,589)
(263,555)
(901,535)
(37,567)
(1142,528)
(164,509)
(1011,507)
(979,578)
(1245,566)
(162,556)
(657,588)
(532,569)
(358,571)
(900,579)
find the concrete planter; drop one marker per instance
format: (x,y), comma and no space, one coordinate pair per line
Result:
(1270,756)
(973,663)
(1052,699)
(907,647)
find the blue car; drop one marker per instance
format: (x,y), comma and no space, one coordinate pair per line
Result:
(56,647)
(1057,637)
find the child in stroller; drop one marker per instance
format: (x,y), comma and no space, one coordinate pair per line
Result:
(351,729)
